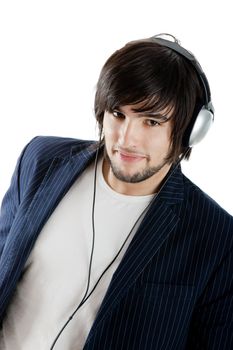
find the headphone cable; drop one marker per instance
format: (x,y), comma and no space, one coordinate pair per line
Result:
(86,295)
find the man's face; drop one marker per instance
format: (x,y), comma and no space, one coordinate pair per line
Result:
(136,144)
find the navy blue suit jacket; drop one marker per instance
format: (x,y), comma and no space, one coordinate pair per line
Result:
(174,286)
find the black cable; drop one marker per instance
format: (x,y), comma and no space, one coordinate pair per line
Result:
(86,297)
(91,257)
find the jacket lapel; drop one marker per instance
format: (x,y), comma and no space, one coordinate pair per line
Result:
(30,218)
(59,178)
(156,227)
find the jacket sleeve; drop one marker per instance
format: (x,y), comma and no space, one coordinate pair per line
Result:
(10,203)
(212,324)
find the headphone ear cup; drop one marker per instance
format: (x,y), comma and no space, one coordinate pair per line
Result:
(201,126)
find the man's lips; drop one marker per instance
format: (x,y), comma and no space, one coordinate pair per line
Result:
(130,156)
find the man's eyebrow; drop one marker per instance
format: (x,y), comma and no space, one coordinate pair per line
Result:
(152,114)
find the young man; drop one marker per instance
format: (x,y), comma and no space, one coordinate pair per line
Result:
(107,245)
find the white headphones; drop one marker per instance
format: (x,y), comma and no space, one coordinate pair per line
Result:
(204,114)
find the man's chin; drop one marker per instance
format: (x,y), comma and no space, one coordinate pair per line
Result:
(131,177)
(135,176)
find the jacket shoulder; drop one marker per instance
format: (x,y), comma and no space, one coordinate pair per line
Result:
(39,154)
(206,215)
(47,147)
(197,195)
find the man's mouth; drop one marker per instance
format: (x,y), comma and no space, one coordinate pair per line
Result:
(130,156)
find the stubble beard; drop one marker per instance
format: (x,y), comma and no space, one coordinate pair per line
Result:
(138,176)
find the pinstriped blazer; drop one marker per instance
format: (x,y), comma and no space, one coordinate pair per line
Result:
(174,286)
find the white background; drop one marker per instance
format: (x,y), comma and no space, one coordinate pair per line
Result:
(51,53)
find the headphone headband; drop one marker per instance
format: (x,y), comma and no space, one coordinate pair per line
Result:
(201,122)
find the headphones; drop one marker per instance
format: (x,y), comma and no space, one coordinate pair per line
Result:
(203,115)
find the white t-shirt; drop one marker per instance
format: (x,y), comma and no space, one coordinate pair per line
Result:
(56,273)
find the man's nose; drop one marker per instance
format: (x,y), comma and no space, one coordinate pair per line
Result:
(128,134)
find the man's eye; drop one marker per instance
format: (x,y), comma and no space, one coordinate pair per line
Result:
(151,122)
(117,114)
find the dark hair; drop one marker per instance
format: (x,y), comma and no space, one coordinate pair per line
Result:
(158,78)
